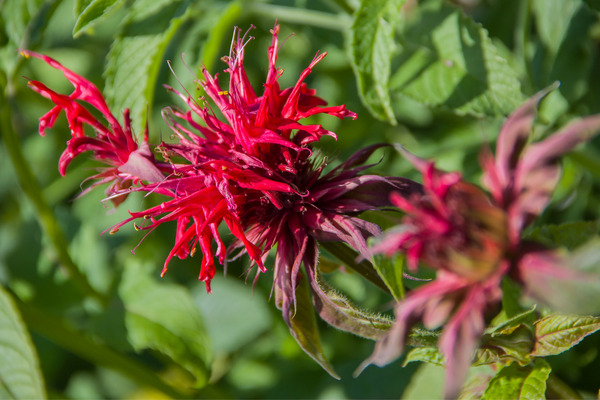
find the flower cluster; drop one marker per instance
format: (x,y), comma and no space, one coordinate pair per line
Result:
(252,169)
(474,239)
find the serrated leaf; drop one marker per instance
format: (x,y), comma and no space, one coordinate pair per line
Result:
(164,317)
(515,382)
(93,12)
(303,327)
(557,333)
(135,58)
(338,311)
(372,47)
(390,269)
(429,355)
(20,376)
(448,60)
(569,235)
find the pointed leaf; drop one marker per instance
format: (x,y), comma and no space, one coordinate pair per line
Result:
(372,46)
(390,269)
(338,311)
(20,376)
(163,317)
(303,327)
(448,60)
(557,333)
(515,382)
(93,12)
(429,355)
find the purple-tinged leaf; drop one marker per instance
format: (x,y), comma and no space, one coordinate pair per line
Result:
(338,311)
(557,333)
(516,382)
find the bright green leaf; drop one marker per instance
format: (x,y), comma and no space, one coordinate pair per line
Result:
(429,355)
(93,12)
(20,376)
(516,382)
(557,333)
(390,270)
(372,47)
(136,57)
(448,60)
(164,317)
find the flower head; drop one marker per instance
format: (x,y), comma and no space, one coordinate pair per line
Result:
(474,239)
(114,145)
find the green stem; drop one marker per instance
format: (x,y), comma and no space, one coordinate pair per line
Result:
(32,189)
(338,22)
(522,36)
(75,342)
(348,256)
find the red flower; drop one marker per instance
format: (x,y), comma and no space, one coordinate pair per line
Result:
(113,144)
(473,240)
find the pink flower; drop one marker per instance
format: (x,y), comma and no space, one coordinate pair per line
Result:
(473,239)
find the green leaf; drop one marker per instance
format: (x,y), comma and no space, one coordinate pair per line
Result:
(429,355)
(390,270)
(569,235)
(338,311)
(164,317)
(568,48)
(303,327)
(92,12)
(371,49)
(20,376)
(515,382)
(448,60)
(234,316)
(135,58)
(557,333)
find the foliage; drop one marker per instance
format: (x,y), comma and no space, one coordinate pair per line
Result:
(84,317)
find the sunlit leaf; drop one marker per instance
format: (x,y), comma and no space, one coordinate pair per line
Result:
(448,60)
(429,355)
(20,376)
(557,333)
(372,47)
(136,57)
(93,12)
(516,382)
(164,317)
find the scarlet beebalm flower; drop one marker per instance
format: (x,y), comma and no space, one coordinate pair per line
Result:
(115,145)
(253,170)
(473,239)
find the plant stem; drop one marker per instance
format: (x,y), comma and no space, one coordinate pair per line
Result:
(32,189)
(348,256)
(338,22)
(57,331)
